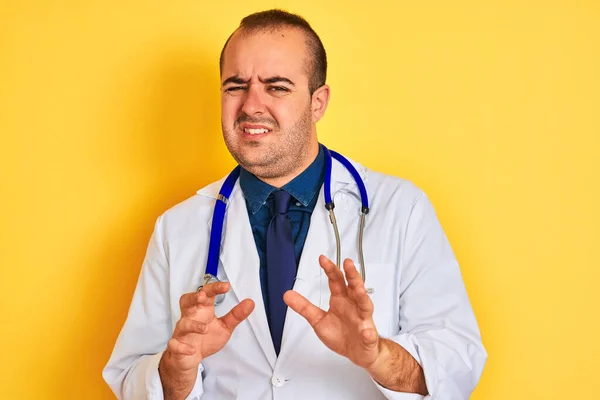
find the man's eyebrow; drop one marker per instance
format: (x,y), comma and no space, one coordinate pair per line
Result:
(235,79)
(277,79)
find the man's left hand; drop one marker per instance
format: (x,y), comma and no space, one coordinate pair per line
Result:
(347,328)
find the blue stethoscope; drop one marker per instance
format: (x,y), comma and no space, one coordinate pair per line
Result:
(212,263)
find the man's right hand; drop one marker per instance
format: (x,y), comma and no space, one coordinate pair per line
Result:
(197,335)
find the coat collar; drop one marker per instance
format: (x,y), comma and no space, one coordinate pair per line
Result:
(340,176)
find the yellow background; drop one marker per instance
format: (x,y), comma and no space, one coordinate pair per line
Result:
(110,115)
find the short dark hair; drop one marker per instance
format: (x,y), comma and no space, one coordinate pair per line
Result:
(274,20)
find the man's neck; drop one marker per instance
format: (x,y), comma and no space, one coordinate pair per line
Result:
(281,181)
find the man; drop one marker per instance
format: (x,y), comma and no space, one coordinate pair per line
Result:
(413,334)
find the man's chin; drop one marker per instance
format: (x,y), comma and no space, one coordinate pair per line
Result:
(256,163)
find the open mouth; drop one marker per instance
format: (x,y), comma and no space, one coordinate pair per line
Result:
(256,131)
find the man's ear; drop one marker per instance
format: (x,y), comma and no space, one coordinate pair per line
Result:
(320,99)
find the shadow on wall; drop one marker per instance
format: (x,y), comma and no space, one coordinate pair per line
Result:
(177,127)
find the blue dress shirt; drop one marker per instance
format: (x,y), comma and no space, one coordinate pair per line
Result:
(259,200)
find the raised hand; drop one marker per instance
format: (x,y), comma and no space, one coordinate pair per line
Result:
(347,328)
(197,335)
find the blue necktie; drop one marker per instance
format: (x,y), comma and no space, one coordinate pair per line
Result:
(281,264)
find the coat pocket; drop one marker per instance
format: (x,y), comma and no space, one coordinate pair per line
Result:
(382,288)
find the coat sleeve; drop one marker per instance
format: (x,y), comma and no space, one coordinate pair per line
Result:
(132,371)
(437,323)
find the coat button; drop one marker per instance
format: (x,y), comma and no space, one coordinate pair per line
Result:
(277,381)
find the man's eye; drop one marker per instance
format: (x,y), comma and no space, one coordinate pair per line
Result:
(278,89)
(235,88)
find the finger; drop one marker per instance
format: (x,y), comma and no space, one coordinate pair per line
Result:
(358,291)
(352,275)
(205,297)
(186,326)
(188,303)
(179,349)
(237,314)
(212,290)
(337,283)
(302,306)
(364,305)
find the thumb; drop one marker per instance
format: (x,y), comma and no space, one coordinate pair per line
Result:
(237,314)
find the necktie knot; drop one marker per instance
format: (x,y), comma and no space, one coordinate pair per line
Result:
(282,201)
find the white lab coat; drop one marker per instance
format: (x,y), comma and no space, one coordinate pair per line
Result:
(419,297)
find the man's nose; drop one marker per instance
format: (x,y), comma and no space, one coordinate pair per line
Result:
(253,101)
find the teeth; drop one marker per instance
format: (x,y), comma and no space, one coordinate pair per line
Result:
(255,131)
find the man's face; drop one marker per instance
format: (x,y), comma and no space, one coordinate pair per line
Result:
(266,111)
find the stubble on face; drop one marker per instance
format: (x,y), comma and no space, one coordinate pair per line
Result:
(277,158)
